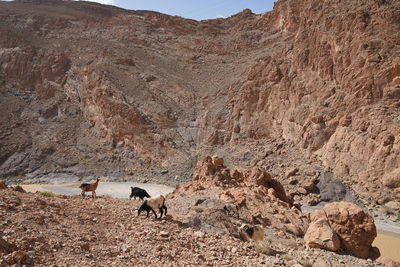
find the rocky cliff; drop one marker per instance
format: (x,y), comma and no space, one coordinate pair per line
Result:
(88,89)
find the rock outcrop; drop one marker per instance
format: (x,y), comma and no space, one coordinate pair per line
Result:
(355,229)
(260,197)
(43,231)
(320,235)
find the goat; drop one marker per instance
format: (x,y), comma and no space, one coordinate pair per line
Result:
(152,204)
(231,209)
(85,187)
(255,232)
(138,192)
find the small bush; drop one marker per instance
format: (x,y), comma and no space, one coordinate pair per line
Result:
(47,194)
(306,263)
(198,209)
(398,216)
(387,211)
(287,257)
(264,248)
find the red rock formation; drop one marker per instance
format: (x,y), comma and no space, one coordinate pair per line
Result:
(354,227)
(261,198)
(322,74)
(320,235)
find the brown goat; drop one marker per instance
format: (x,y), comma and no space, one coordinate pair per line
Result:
(89,187)
(255,232)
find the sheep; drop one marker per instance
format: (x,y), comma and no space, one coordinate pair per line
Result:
(138,192)
(231,209)
(255,232)
(152,204)
(85,187)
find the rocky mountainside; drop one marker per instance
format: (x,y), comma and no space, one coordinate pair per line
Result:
(89,90)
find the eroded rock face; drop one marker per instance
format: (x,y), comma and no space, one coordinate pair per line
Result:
(324,75)
(260,197)
(354,227)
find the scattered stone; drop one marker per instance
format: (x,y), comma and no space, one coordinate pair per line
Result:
(291,172)
(302,191)
(309,173)
(388,262)
(392,179)
(4,245)
(18,188)
(320,262)
(314,200)
(199,234)
(164,234)
(2,185)
(394,205)
(19,257)
(217,161)
(309,185)
(85,246)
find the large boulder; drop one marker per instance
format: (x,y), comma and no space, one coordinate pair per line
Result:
(321,235)
(354,227)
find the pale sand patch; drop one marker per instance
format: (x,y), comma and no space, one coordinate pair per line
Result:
(388,244)
(33,188)
(113,189)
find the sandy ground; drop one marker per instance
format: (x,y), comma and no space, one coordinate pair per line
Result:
(117,190)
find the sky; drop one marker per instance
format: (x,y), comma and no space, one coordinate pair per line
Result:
(198,10)
(191,9)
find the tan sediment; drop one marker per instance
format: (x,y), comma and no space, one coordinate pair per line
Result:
(33,188)
(388,244)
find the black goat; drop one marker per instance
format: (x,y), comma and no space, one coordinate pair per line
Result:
(138,192)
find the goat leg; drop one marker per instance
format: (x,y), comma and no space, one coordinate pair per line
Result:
(165,208)
(161,212)
(155,214)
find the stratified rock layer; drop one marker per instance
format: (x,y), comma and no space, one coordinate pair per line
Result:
(83,83)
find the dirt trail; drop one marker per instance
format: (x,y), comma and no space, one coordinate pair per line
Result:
(116,190)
